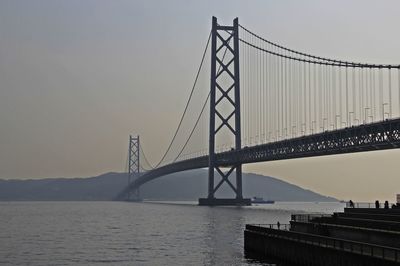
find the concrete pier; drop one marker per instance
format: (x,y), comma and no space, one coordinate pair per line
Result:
(224,202)
(319,240)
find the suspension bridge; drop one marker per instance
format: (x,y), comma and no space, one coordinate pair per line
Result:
(268,102)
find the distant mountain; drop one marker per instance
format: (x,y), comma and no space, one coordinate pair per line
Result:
(189,185)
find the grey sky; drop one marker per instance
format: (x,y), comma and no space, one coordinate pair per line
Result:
(76,77)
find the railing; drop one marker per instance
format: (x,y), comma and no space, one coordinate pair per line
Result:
(367,205)
(392,217)
(276,226)
(375,251)
(352,227)
(308,217)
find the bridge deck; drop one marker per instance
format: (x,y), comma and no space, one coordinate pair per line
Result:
(369,137)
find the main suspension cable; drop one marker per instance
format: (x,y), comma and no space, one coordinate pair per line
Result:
(194,128)
(202,110)
(187,103)
(340,62)
(327,63)
(144,156)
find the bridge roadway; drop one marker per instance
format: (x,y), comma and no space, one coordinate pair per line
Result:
(369,137)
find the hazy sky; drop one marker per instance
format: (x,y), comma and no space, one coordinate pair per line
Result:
(77,77)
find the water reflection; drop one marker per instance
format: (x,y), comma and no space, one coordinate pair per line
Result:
(118,233)
(224,226)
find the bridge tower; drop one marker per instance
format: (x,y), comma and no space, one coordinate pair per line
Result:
(224,90)
(133,167)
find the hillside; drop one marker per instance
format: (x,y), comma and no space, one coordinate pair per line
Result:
(188,185)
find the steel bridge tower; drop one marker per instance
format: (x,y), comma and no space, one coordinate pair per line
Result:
(224,90)
(133,167)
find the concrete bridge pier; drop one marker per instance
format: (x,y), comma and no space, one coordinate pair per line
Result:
(224,202)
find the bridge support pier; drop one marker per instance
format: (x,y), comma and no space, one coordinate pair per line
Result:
(224,202)
(224,95)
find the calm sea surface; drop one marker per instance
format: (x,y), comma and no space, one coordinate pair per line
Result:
(122,233)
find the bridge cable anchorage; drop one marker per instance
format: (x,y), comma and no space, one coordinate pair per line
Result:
(337,62)
(201,112)
(187,103)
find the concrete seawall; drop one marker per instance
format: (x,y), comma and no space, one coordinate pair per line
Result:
(310,242)
(304,249)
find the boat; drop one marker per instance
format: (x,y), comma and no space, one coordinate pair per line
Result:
(260,200)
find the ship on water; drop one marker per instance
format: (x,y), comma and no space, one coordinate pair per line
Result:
(260,200)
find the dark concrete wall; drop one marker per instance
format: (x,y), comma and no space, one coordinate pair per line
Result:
(372,236)
(357,222)
(303,253)
(370,216)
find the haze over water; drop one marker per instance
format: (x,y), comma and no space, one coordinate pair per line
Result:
(91,72)
(121,233)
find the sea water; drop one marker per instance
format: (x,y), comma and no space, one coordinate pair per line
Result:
(125,233)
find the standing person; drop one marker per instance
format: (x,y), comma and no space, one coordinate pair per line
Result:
(278,224)
(351,204)
(386,204)
(377,204)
